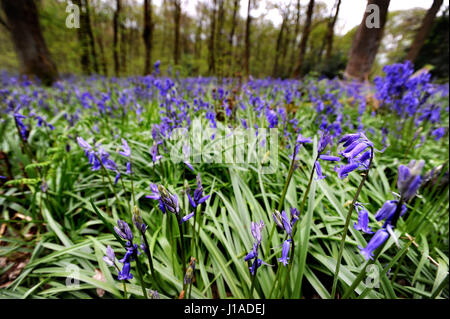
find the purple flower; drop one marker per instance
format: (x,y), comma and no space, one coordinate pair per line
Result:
(154,153)
(126,149)
(125,273)
(285,252)
(319,171)
(123,230)
(344,170)
(256,230)
(110,256)
(253,253)
(363,219)
(198,197)
(330,158)
(185,218)
(409,179)
(438,133)
(376,241)
(388,209)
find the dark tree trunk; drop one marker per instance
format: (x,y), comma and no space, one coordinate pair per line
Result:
(102,56)
(247,42)
(304,40)
(116,37)
(330,30)
(295,36)
(23,21)
(275,72)
(366,43)
(212,60)
(83,39)
(124,42)
(147,35)
(177,18)
(90,35)
(231,36)
(219,37)
(423,31)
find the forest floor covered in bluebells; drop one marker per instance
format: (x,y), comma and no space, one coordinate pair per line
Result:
(352,202)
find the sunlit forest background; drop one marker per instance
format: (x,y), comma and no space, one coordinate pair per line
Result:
(212,40)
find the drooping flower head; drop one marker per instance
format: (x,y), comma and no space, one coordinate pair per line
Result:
(376,241)
(363,219)
(409,179)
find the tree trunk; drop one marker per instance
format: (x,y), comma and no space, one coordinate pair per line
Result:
(23,21)
(304,40)
(247,42)
(423,31)
(330,30)
(219,37)
(366,43)
(212,61)
(116,37)
(147,35)
(177,17)
(90,36)
(278,48)
(231,36)
(295,36)
(83,39)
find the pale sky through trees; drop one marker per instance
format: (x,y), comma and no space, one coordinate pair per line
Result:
(350,13)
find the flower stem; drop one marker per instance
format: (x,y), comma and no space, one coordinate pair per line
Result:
(347,223)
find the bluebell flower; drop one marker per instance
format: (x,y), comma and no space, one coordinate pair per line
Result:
(154,153)
(319,171)
(123,230)
(438,133)
(285,252)
(110,257)
(156,66)
(186,217)
(409,179)
(388,209)
(125,273)
(156,196)
(363,219)
(344,170)
(256,230)
(376,241)
(198,197)
(126,149)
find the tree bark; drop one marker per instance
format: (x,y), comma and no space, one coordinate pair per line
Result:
(247,42)
(231,36)
(34,56)
(116,37)
(212,60)
(219,37)
(366,43)
(82,38)
(304,40)
(275,72)
(330,30)
(424,30)
(295,36)
(177,18)
(147,35)
(90,35)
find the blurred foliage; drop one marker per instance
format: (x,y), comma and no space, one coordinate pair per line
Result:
(65,47)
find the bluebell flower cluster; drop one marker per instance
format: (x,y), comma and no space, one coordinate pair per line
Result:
(354,145)
(283,222)
(123,230)
(409,180)
(98,157)
(256,229)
